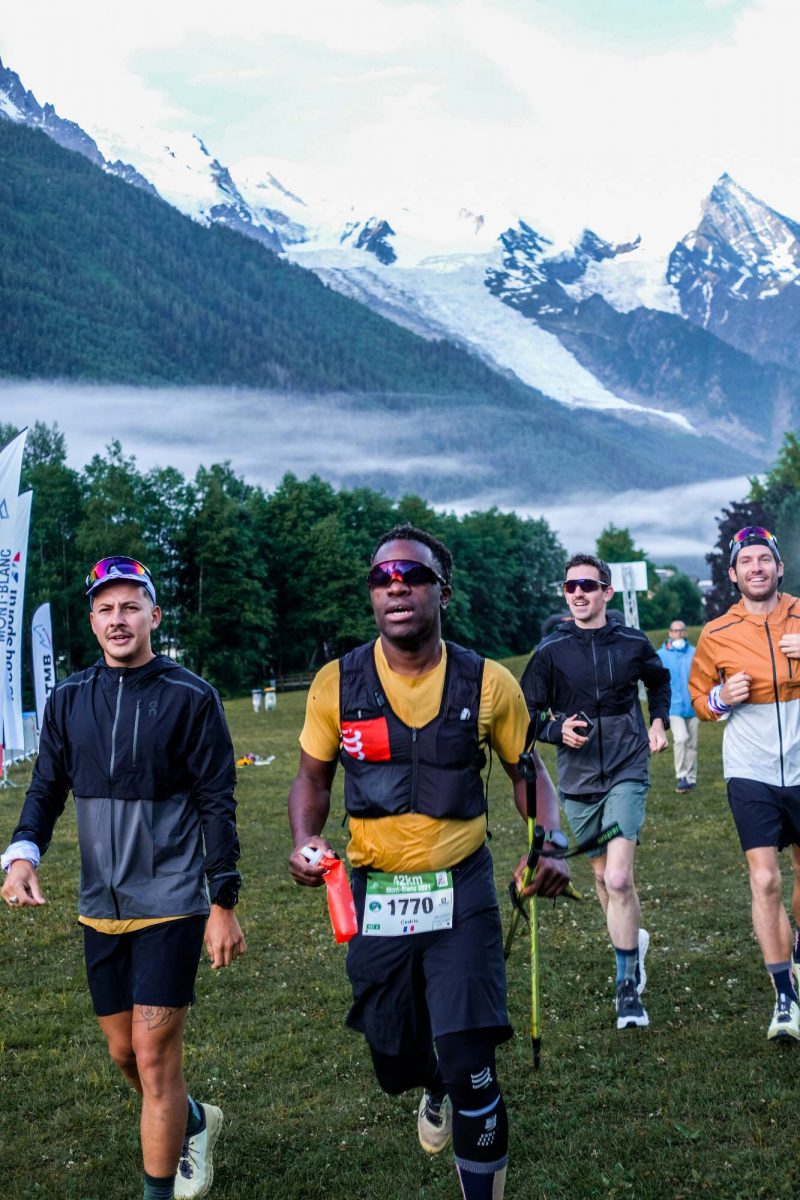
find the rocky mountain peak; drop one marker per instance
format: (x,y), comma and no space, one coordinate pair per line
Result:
(737,273)
(371,235)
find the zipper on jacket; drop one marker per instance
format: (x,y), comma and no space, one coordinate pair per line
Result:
(136,730)
(777,701)
(414,768)
(110,794)
(599,719)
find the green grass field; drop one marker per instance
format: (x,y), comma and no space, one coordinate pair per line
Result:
(699,1105)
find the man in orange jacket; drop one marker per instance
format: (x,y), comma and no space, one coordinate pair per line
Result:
(746,671)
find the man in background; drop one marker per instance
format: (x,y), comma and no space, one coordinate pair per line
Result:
(676,654)
(581,688)
(746,671)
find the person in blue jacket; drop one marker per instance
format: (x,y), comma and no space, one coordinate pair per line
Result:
(676,654)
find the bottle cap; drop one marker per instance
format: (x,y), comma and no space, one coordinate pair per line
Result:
(312,854)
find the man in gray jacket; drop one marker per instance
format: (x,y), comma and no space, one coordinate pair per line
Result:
(581,688)
(144,746)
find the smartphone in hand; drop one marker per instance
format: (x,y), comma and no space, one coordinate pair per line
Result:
(589,724)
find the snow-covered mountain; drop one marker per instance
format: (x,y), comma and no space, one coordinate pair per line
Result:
(19,105)
(738,274)
(702,341)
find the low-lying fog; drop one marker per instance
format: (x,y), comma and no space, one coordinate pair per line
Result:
(264,435)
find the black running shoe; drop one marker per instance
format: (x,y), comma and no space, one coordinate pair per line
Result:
(630,1010)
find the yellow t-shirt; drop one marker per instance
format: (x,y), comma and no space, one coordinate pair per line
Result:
(412,841)
(126,925)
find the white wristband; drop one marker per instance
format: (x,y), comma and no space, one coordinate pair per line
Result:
(27,850)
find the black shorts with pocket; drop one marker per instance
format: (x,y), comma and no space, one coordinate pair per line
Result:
(411,989)
(765,814)
(156,965)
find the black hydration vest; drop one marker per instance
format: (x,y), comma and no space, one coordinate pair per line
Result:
(393,768)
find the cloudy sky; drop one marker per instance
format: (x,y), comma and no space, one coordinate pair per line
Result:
(615,113)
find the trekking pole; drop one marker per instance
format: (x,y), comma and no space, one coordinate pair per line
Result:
(527,769)
(536,841)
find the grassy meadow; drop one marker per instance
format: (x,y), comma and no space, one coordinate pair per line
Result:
(698,1105)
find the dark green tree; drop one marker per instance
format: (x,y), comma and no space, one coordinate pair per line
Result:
(292,511)
(675,596)
(508,569)
(226,597)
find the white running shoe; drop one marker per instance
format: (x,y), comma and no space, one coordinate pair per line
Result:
(796,974)
(434,1123)
(195,1172)
(641,973)
(785,1021)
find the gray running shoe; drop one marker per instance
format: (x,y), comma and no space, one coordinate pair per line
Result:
(630,1010)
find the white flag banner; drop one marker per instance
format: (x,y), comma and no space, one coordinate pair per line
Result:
(12,647)
(10,468)
(44,659)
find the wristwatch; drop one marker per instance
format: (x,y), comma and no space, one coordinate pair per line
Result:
(556,838)
(226,897)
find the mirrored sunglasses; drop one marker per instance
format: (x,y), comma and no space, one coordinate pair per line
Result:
(413,574)
(752,531)
(116,567)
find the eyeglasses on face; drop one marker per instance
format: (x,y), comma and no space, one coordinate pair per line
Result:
(403,570)
(586,585)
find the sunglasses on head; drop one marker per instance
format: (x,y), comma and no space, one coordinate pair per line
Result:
(112,568)
(586,585)
(752,531)
(405,571)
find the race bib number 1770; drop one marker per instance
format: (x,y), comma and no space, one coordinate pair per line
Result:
(396,905)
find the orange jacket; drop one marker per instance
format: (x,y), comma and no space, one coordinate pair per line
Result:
(762,736)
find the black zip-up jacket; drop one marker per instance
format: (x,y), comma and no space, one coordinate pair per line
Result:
(148,756)
(597,671)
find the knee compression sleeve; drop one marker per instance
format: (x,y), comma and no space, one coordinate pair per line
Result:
(480,1124)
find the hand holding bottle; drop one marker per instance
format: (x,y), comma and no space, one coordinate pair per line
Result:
(340,897)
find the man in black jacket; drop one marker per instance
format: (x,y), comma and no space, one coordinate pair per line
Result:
(582,689)
(145,748)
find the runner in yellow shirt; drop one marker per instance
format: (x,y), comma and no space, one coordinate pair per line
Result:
(410,718)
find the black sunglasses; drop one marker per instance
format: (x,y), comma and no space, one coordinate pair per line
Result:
(411,573)
(586,585)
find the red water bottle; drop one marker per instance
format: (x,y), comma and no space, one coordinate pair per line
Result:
(340,898)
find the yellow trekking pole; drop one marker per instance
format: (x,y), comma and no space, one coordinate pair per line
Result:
(535,841)
(527,769)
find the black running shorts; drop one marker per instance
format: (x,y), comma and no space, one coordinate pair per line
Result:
(408,990)
(765,815)
(156,965)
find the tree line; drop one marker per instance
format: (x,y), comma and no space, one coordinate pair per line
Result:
(255,584)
